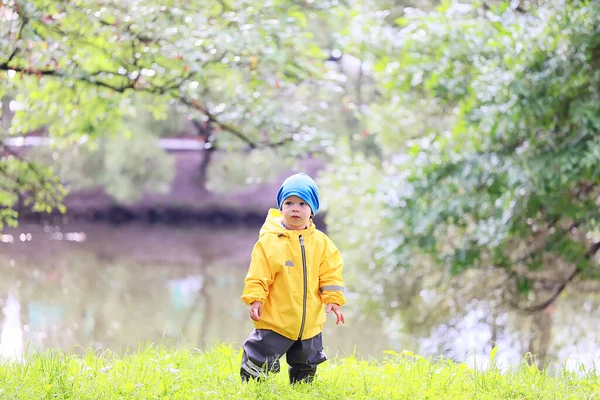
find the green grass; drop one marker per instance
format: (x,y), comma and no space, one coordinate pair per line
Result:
(160,373)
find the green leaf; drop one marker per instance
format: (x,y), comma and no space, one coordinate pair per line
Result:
(493,355)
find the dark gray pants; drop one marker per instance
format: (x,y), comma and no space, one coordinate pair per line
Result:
(263,348)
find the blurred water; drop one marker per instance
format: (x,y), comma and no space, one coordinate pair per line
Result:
(121,287)
(118,287)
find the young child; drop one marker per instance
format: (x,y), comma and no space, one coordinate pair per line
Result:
(294,271)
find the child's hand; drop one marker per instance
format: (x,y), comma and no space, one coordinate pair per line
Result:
(338,312)
(256,310)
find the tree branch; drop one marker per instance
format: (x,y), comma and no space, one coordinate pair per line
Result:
(538,307)
(235,131)
(554,296)
(19,36)
(60,74)
(40,177)
(211,117)
(278,143)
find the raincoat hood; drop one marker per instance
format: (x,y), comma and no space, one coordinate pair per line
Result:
(274,225)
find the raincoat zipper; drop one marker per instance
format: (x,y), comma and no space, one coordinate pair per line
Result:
(305,286)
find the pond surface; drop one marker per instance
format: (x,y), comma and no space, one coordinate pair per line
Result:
(119,287)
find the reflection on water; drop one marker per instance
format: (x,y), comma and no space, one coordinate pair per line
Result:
(116,287)
(119,287)
(11,338)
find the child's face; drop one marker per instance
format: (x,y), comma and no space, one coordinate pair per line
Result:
(296,213)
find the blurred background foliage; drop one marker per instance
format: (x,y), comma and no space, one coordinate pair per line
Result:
(460,140)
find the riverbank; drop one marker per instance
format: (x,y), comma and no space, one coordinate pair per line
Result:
(185,203)
(192,374)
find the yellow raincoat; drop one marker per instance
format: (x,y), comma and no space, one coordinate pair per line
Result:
(293,273)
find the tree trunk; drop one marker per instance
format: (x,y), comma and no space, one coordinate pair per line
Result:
(494,338)
(205,132)
(203,170)
(541,332)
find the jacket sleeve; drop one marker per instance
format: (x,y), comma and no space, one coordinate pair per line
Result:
(259,277)
(331,284)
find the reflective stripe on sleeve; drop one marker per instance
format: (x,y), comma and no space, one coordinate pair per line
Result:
(331,287)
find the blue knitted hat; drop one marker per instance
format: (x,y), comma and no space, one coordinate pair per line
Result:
(300,185)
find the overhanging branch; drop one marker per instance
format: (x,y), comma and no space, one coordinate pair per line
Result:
(40,177)
(59,74)
(122,84)
(132,85)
